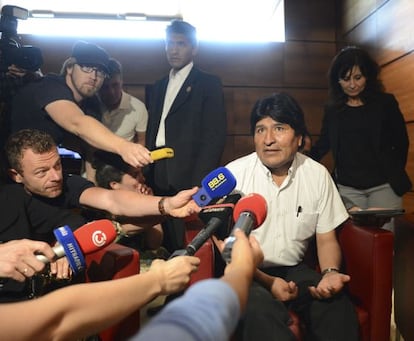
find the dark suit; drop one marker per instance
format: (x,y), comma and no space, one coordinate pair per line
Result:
(388,135)
(195,128)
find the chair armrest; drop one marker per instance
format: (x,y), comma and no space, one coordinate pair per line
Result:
(368,259)
(115,261)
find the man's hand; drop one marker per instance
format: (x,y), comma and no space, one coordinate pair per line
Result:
(246,254)
(182,204)
(61,269)
(18,258)
(174,275)
(329,285)
(135,154)
(16,72)
(282,290)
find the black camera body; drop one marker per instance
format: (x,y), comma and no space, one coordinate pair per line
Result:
(11,50)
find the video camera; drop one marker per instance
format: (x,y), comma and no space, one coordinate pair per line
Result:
(11,51)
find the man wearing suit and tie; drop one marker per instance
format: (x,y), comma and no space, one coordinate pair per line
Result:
(186,112)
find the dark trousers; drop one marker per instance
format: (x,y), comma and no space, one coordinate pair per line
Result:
(173,228)
(266,318)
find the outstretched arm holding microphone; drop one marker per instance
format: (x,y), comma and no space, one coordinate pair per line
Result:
(83,309)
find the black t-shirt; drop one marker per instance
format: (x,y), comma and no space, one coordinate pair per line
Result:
(24,216)
(28,105)
(73,187)
(357,163)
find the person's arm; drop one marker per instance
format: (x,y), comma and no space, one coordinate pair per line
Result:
(329,256)
(210,309)
(81,310)
(18,260)
(280,289)
(69,116)
(321,147)
(132,204)
(329,251)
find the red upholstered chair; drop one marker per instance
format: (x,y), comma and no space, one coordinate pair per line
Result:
(368,259)
(115,261)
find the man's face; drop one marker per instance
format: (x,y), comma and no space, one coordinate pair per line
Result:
(111,91)
(134,181)
(276,144)
(41,173)
(83,84)
(180,51)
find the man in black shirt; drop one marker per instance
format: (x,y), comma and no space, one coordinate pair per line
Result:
(52,104)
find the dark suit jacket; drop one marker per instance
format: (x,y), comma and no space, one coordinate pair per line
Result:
(388,135)
(195,128)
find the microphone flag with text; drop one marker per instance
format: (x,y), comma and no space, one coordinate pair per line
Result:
(217,210)
(249,213)
(87,239)
(217,216)
(216,184)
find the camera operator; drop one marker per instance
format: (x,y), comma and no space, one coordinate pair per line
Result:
(19,65)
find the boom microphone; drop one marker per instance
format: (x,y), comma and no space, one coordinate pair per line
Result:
(249,213)
(87,239)
(216,184)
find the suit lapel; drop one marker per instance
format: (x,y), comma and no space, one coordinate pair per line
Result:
(184,92)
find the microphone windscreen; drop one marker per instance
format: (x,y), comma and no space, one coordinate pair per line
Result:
(253,203)
(216,184)
(95,235)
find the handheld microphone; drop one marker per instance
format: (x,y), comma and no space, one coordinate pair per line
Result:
(162,153)
(249,213)
(215,217)
(216,184)
(87,239)
(216,210)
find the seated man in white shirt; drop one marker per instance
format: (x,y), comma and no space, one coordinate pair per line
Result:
(303,202)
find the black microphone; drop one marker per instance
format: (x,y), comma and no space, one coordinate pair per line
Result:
(249,213)
(216,216)
(215,210)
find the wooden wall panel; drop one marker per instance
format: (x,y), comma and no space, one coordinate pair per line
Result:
(310,20)
(408,203)
(356,11)
(398,79)
(395,30)
(254,65)
(410,159)
(385,37)
(307,64)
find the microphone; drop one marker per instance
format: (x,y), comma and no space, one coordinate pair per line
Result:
(162,153)
(87,239)
(215,216)
(216,210)
(216,184)
(249,213)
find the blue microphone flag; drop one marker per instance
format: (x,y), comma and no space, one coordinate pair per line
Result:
(216,184)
